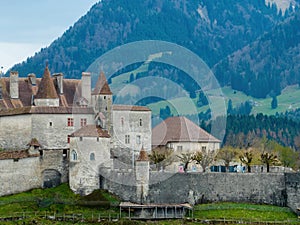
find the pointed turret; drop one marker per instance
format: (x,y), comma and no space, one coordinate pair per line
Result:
(143,155)
(102,100)
(46,94)
(102,87)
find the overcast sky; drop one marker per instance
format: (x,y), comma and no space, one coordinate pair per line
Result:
(26,26)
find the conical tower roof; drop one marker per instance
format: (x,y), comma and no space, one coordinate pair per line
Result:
(102,86)
(143,155)
(46,88)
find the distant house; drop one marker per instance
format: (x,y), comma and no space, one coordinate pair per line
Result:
(182,136)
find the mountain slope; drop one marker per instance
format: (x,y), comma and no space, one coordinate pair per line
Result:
(267,65)
(212,29)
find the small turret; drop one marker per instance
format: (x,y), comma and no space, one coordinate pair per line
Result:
(142,167)
(102,100)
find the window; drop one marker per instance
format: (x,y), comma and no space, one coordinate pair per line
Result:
(65,153)
(50,124)
(127,139)
(179,148)
(80,138)
(104,97)
(141,122)
(92,156)
(138,139)
(97,139)
(83,122)
(170,145)
(203,148)
(70,122)
(74,155)
(122,121)
(68,139)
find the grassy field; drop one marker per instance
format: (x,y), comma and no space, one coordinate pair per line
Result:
(288,100)
(41,206)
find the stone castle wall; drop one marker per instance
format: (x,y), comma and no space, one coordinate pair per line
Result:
(55,128)
(19,175)
(265,188)
(292,182)
(15,132)
(128,123)
(217,187)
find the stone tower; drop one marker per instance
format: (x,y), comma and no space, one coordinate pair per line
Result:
(102,102)
(142,167)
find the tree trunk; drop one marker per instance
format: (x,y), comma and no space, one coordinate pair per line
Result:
(249,169)
(185,167)
(227,167)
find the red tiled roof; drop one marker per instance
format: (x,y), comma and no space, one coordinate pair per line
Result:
(46,87)
(130,108)
(143,155)
(45,110)
(102,86)
(175,129)
(16,154)
(26,90)
(91,131)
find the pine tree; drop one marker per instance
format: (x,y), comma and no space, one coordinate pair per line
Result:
(274,102)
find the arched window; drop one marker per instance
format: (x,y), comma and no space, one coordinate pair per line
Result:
(73,155)
(92,156)
(141,122)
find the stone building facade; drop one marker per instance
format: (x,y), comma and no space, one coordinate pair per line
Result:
(75,129)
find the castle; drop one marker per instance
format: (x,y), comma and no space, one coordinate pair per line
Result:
(56,130)
(68,128)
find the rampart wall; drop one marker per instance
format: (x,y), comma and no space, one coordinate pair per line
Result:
(281,189)
(19,175)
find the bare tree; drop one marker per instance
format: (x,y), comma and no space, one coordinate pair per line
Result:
(227,154)
(208,156)
(269,159)
(161,157)
(246,158)
(186,159)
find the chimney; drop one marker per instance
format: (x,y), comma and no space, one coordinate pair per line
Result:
(32,79)
(59,79)
(86,86)
(14,84)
